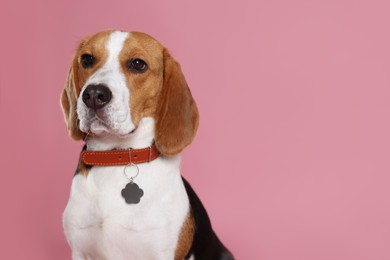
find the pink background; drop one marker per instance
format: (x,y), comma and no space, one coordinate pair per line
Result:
(292,155)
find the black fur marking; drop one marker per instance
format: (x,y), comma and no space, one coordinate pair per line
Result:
(206,245)
(81,165)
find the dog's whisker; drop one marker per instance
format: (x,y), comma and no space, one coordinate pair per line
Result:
(86,136)
(99,119)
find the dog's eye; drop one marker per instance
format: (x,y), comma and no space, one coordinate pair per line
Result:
(87,60)
(137,65)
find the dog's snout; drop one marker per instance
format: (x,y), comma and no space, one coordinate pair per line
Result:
(96,96)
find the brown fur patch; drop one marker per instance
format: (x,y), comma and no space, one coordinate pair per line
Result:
(177,114)
(77,77)
(96,46)
(161,92)
(69,104)
(186,238)
(144,87)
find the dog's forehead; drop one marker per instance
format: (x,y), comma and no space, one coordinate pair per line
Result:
(94,42)
(134,42)
(144,40)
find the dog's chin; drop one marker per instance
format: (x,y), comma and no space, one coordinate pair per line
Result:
(98,128)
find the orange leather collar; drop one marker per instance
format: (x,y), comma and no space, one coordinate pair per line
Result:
(120,157)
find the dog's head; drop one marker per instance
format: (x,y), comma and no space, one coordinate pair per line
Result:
(118,78)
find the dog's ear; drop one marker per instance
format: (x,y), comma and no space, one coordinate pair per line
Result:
(177,116)
(69,104)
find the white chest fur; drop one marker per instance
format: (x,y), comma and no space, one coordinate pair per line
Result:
(100,225)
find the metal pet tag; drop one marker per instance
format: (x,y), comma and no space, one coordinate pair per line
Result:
(132,193)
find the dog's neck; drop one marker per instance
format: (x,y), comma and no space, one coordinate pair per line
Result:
(142,137)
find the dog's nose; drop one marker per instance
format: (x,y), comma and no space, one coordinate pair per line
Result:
(96,96)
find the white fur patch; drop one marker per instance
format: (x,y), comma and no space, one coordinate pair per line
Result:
(142,137)
(100,225)
(115,117)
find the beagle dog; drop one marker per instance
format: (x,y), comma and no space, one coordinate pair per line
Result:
(127,98)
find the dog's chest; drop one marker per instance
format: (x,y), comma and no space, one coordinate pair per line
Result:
(99,224)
